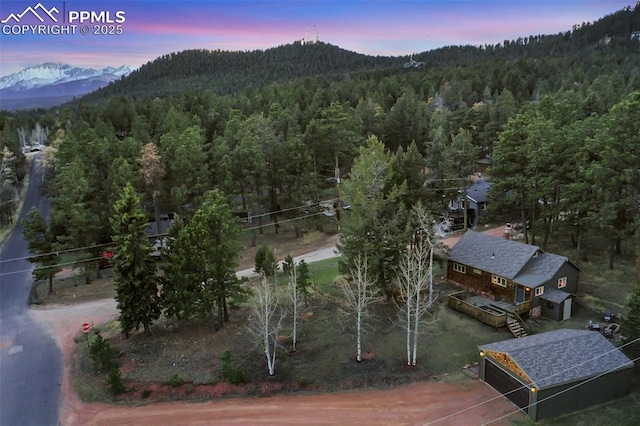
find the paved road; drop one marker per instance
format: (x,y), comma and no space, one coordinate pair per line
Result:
(314,256)
(30,361)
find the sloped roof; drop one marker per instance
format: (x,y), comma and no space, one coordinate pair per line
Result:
(478,191)
(562,356)
(554,295)
(492,254)
(152,227)
(540,270)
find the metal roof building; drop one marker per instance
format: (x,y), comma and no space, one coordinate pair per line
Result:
(557,372)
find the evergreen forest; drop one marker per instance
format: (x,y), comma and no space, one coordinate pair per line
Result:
(273,129)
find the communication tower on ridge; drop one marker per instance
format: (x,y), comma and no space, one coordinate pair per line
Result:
(306,39)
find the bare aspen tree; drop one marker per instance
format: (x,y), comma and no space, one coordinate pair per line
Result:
(360,292)
(266,319)
(415,281)
(296,301)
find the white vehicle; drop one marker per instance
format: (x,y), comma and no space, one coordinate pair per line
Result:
(158,245)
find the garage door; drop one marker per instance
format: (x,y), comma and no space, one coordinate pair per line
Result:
(505,384)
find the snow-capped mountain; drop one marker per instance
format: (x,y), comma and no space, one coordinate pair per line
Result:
(51,73)
(51,84)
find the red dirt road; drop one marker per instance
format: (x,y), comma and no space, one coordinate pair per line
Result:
(467,402)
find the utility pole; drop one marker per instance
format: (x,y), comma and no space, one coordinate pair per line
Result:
(336,175)
(464,206)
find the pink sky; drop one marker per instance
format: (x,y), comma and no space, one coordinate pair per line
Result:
(394,28)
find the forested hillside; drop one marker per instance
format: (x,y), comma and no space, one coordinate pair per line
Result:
(225,72)
(558,114)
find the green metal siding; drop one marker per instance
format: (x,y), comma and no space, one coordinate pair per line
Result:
(575,398)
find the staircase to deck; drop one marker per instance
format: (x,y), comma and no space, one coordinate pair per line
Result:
(515,327)
(515,324)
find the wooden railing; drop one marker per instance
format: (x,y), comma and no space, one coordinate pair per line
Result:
(523,307)
(487,315)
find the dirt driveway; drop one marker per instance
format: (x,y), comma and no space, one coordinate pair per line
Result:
(467,402)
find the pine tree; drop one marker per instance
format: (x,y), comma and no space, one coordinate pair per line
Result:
(266,262)
(200,281)
(375,228)
(134,270)
(42,244)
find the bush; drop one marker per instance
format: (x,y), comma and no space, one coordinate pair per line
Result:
(266,262)
(115,384)
(102,354)
(230,371)
(175,381)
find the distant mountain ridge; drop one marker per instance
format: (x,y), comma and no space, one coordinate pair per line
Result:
(230,72)
(51,84)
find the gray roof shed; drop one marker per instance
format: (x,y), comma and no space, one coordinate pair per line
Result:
(562,356)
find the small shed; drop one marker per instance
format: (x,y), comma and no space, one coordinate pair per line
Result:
(554,373)
(477,197)
(483,164)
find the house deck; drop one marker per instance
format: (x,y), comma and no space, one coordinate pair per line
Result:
(492,312)
(495,304)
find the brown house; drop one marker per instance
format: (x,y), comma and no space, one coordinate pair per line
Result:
(516,274)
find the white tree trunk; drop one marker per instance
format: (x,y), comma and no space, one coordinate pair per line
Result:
(360,292)
(416,282)
(408,309)
(294,295)
(358,338)
(265,322)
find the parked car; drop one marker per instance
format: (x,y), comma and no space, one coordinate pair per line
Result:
(105,260)
(345,205)
(158,245)
(452,224)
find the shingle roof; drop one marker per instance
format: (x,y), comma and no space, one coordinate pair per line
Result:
(478,191)
(152,227)
(562,356)
(540,270)
(492,254)
(554,295)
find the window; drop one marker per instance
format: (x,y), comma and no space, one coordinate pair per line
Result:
(501,281)
(483,206)
(562,282)
(477,271)
(539,291)
(460,268)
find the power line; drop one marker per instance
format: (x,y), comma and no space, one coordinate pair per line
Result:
(57,252)
(562,391)
(37,268)
(72,250)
